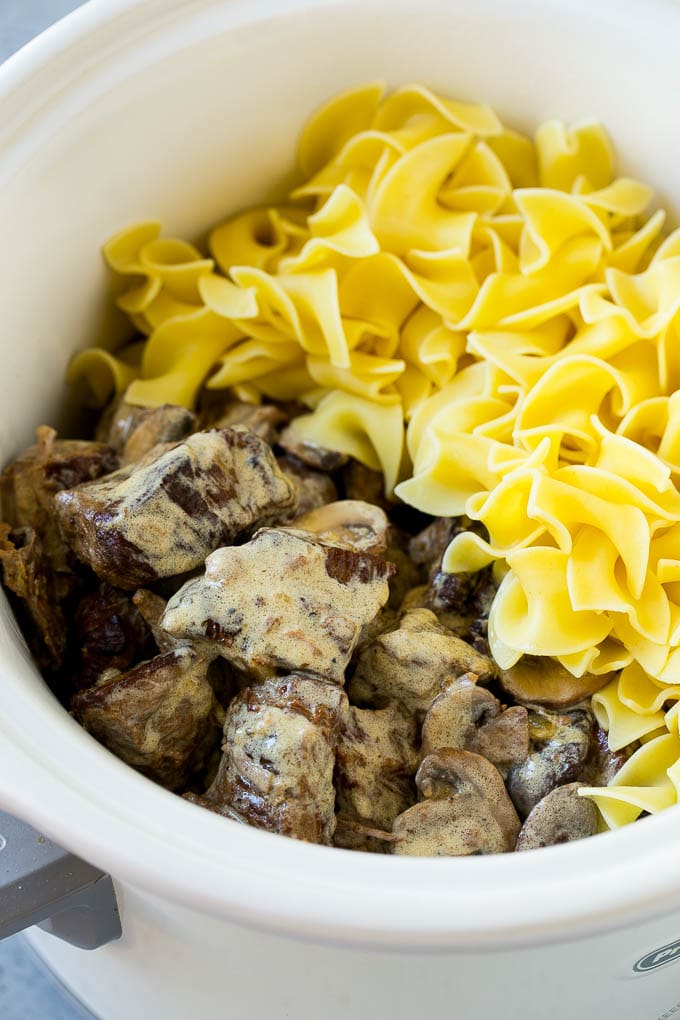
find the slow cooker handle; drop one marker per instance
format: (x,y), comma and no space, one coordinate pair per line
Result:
(40,883)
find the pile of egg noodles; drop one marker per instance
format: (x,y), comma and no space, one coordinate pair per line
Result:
(490,321)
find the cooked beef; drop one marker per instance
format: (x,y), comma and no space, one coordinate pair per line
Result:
(109,633)
(264,420)
(28,486)
(411,665)
(279,752)
(311,453)
(284,602)
(26,572)
(132,431)
(158,717)
(377,759)
(313,488)
(151,608)
(363,483)
(162,516)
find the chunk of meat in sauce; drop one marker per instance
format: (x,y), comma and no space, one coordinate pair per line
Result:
(285,601)
(377,759)
(311,453)
(158,717)
(314,488)
(109,632)
(265,420)
(411,665)
(26,572)
(279,748)
(28,487)
(162,516)
(132,431)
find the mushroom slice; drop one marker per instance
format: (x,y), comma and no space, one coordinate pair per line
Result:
(560,747)
(158,717)
(313,488)
(466,809)
(561,817)
(166,424)
(279,753)
(376,760)
(411,665)
(539,680)
(348,522)
(163,515)
(284,602)
(468,717)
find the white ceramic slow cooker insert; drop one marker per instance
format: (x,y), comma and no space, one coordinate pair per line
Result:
(185,111)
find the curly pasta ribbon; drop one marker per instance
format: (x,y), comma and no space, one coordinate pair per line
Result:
(493,322)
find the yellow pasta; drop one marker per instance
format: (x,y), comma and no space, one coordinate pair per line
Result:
(493,322)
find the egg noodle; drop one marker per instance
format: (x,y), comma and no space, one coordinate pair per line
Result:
(490,321)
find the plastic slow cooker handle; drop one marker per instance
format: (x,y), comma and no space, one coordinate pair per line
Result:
(40,883)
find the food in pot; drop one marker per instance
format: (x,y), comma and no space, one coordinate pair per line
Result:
(390,480)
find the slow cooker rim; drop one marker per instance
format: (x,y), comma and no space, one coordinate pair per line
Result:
(624,874)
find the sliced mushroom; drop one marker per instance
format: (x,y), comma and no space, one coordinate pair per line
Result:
(361,482)
(603,763)
(561,817)
(539,680)
(262,419)
(561,744)
(348,522)
(468,717)
(413,664)
(418,598)
(466,809)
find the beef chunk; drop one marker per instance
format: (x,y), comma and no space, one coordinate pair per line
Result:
(411,665)
(262,419)
(314,488)
(363,483)
(163,515)
(286,601)
(29,484)
(151,608)
(377,759)
(311,453)
(279,753)
(26,572)
(132,431)
(110,634)
(158,717)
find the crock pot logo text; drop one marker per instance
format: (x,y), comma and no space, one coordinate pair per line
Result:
(657,958)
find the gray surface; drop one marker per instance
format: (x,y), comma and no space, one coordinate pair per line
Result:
(27,989)
(20,20)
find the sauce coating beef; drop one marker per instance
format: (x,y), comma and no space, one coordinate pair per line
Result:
(164,514)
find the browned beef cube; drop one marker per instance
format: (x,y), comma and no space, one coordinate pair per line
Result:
(279,754)
(377,759)
(163,515)
(158,717)
(411,665)
(262,419)
(132,431)
(28,486)
(286,601)
(27,573)
(314,488)
(109,633)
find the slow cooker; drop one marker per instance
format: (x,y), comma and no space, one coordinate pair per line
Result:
(186,110)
